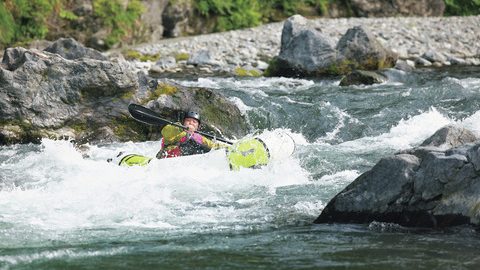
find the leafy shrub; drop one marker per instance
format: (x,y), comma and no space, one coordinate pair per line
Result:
(462,7)
(7,25)
(234,14)
(22,20)
(231,14)
(121,22)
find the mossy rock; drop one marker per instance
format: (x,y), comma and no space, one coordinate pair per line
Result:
(18,132)
(242,72)
(161,89)
(279,67)
(136,55)
(182,57)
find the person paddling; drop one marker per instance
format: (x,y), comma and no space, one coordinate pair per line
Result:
(178,142)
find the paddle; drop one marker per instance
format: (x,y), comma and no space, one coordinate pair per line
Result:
(150,117)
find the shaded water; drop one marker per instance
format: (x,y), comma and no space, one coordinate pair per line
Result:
(58,210)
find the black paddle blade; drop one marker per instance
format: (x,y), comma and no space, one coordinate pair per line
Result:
(146,115)
(150,117)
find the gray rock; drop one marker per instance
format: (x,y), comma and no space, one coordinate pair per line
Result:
(45,95)
(449,137)
(261,65)
(304,50)
(45,92)
(291,28)
(473,155)
(404,66)
(358,77)
(456,61)
(422,62)
(310,51)
(218,113)
(374,191)
(167,62)
(359,47)
(69,48)
(202,57)
(422,187)
(434,56)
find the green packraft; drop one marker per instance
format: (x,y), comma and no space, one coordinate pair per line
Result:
(247,153)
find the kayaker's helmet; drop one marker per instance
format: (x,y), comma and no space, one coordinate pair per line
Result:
(192,114)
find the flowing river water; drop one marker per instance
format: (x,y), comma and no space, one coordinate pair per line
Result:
(61,211)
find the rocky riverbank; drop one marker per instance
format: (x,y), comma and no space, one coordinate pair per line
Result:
(419,42)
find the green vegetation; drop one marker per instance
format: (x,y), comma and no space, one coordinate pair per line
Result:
(234,14)
(181,57)
(242,72)
(132,54)
(24,20)
(231,14)
(120,21)
(162,89)
(462,7)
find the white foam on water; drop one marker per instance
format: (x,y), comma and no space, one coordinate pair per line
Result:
(59,190)
(343,120)
(240,105)
(310,208)
(405,134)
(339,178)
(254,85)
(472,122)
(467,83)
(70,253)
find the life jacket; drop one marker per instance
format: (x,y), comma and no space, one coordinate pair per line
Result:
(188,145)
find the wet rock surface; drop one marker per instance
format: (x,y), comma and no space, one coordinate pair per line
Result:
(427,186)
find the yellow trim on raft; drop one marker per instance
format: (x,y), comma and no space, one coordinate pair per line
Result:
(247,153)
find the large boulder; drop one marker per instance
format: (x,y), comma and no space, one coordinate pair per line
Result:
(71,49)
(219,115)
(42,93)
(305,51)
(422,187)
(361,50)
(45,95)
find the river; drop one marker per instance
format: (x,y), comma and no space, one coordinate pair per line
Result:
(59,210)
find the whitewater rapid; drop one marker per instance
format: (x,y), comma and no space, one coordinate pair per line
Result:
(55,200)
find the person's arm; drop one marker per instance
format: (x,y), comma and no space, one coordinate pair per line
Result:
(212,145)
(172,134)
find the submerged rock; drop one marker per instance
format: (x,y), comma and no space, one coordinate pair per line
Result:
(362,77)
(422,187)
